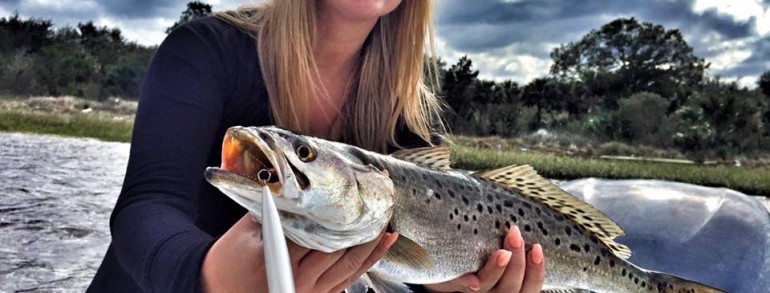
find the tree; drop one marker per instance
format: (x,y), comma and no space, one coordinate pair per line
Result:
(195,10)
(30,35)
(630,57)
(764,83)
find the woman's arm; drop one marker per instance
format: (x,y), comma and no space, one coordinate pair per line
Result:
(153,224)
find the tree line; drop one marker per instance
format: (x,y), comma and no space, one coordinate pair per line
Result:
(627,81)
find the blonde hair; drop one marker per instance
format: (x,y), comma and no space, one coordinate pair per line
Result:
(391,78)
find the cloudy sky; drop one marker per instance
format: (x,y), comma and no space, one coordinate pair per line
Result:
(506,39)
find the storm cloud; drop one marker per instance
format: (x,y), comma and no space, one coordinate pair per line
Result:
(506,39)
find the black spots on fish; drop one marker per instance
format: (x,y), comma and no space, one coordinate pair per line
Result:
(437,195)
(585,269)
(466,217)
(479,208)
(490,198)
(508,203)
(527,228)
(489,209)
(568,230)
(438,183)
(499,208)
(465,200)
(474,218)
(557,241)
(521,212)
(623,272)
(475,231)
(542,228)
(456,212)
(425,177)
(612,263)
(558,217)
(497,224)
(527,205)
(574,247)
(643,284)
(507,225)
(514,219)
(459,226)
(451,216)
(414,191)
(598,260)
(587,248)
(636,280)
(538,211)
(451,193)
(587,218)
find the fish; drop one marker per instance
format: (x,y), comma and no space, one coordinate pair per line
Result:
(332,196)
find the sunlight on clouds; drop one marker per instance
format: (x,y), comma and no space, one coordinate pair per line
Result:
(146,32)
(739,10)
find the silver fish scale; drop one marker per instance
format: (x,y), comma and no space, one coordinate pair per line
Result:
(461,220)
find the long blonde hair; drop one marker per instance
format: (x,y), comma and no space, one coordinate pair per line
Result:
(391,82)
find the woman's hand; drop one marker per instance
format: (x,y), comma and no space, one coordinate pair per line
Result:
(235,263)
(507,270)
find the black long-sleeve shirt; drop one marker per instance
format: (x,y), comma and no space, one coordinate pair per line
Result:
(204,78)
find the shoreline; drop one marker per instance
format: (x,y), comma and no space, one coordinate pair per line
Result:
(108,124)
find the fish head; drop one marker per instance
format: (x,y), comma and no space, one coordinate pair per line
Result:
(319,187)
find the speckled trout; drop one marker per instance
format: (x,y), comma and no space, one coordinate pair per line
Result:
(332,196)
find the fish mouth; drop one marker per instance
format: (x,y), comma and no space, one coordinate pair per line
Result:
(252,156)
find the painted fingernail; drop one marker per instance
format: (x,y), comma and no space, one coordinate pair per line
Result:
(514,238)
(390,239)
(503,258)
(536,254)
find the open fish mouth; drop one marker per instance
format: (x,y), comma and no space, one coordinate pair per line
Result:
(252,157)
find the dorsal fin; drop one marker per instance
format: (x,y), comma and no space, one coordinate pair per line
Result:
(437,158)
(526,180)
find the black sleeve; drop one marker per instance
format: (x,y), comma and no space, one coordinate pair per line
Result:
(153,225)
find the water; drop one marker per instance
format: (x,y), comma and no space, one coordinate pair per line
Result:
(56,195)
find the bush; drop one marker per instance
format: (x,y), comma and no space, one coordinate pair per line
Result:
(643,118)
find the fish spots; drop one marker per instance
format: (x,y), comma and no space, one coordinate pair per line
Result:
(597,260)
(459,227)
(475,231)
(587,247)
(437,195)
(451,216)
(612,263)
(527,205)
(456,212)
(507,225)
(623,272)
(480,208)
(574,247)
(465,200)
(568,230)
(542,228)
(499,208)
(490,198)
(585,269)
(508,203)
(521,212)
(497,224)
(557,241)
(527,228)
(451,193)
(466,217)
(474,218)
(489,209)
(514,219)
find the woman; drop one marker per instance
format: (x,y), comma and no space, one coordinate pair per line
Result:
(343,70)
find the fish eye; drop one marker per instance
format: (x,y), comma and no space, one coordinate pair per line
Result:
(305,153)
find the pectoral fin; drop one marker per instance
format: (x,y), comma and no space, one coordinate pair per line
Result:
(407,253)
(383,285)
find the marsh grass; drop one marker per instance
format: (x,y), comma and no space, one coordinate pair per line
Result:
(750,181)
(75,124)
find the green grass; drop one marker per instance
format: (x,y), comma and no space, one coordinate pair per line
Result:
(76,125)
(750,181)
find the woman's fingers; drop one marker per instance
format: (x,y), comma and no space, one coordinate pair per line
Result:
(535,272)
(514,273)
(490,274)
(379,251)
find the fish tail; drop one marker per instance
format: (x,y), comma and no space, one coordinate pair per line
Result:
(666,283)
